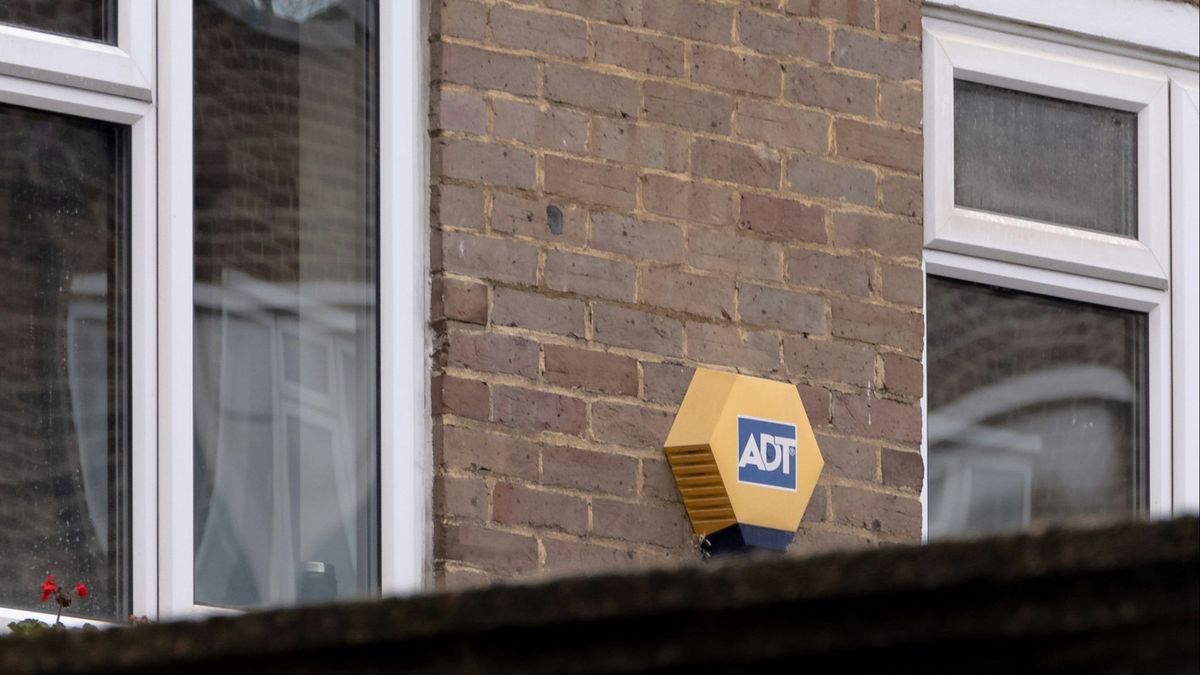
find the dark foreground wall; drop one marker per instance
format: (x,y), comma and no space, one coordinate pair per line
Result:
(1125,599)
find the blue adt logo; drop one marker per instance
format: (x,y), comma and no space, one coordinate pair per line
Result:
(766,453)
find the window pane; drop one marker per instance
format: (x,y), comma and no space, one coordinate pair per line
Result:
(87,19)
(1037,410)
(1045,158)
(64,375)
(286,354)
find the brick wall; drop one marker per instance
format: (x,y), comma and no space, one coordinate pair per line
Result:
(739,188)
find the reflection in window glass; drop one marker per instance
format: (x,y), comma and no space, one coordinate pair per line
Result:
(1037,410)
(64,375)
(1045,158)
(87,19)
(286,354)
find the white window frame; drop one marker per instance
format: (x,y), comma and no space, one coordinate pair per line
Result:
(146,82)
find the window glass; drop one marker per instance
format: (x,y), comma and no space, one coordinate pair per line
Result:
(64,375)
(286,349)
(1045,158)
(87,19)
(1037,410)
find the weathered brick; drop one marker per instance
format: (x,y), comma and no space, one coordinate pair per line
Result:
(488,453)
(900,103)
(779,308)
(538,410)
(658,482)
(500,551)
(903,376)
(616,11)
(899,60)
(884,514)
(689,200)
(591,370)
(817,507)
(854,12)
(489,258)
(513,214)
(645,53)
(518,28)
(633,426)
(454,578)
(888,236)
(644,146)
(483,163)
(458,206)
(876,324)
(901,17)
(817,402)
(665,525)
(590,471)
(460,497)
(844,274)
(826,89)
(665,382)
(689,19)
(589,89)
(830,360)
(525,506)
(635,329)
(589,275)
(457,396)
(728,345)
(905,470)
(848,458)
(591,182)
(460,111)
(816,540)
(554,128)
(875,417)
(782,126)
(732,70)
(644,240)
(534,311)
(878,144)
(584,557)
(687,107)
(736,163)
(474,67)
(735,254)
(813,177)
(493,353)
(686,292)
(458,18)
(783,218)
(783,36)
(903,285)
(901,195)
(458,300)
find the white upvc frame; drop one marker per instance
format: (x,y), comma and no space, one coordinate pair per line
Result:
(952,51)
(1185,214)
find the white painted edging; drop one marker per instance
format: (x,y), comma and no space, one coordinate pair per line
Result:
(1185,160)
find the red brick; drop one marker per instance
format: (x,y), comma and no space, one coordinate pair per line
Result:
(582,557)
(690,19)
(652,54)
(688,200)
(554,128)
(884,514)
(848,458)
(644,146)
(454,578)
(686,107)
(458,206)
(731,70)
(537,312)
(489,258)
(590,276)
(813,177)
(736,163)
(901,195)
(590,471)
(666,525)
(904,470)
(457,396)
(875,417)
(849,274)
(483,163)
(487,453)
(894,59)
(818,506)
(829,360)
(735,254)
(591,182)
(517,28)
(901,17)
(512,214)
(903,376)
(494,353)
(461,64)
(658,482)
(615,11)
(900,103)
(460,111)
(685,292)
(643,240)
(817,402)
(854,12)
(457,18)
(816,541)
(460,497)
(878,325)
(880,145)
(834,91)
(665,382)
(903,285)
(630,425)
(728,345)
(779,308)
(635,329)
(591,370)
(530,507)
(459,301)
(784,36)
(888,236)
(782,126)
(783,218)
(538,410)
(501,551)
(589,89)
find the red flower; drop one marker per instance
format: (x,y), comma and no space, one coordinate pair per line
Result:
(48,587)
(81,590)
